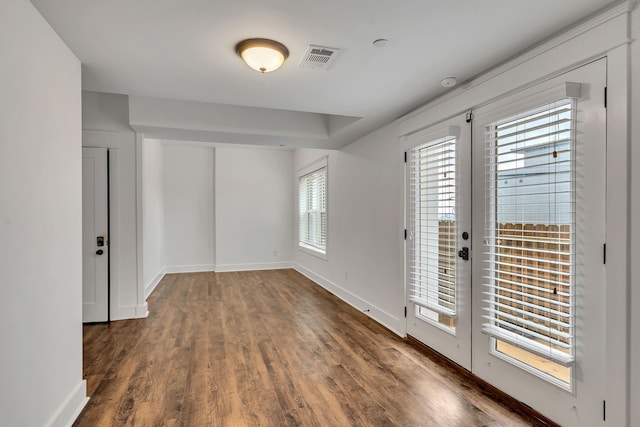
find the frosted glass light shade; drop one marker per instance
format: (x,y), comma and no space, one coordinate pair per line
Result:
(262,55)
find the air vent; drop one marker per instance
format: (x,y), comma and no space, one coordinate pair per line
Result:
(318,57)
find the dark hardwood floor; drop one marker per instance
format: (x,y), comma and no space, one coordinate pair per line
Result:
(268,348)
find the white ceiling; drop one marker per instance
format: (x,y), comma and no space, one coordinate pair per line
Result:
(184,49)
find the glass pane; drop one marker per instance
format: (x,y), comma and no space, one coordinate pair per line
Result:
(531,219)
(542,365)
(433,226)
(442,319)
(312,209)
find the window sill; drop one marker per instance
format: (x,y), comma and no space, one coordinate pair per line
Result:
(313,251)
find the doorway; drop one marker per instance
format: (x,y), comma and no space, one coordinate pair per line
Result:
(520,301)
(439,239)
(95,235)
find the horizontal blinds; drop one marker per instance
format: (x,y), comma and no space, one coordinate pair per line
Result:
(312,209)
(530,231)
(432,187)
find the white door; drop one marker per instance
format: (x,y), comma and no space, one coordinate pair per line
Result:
(95,248)
(539,223)
(439,239)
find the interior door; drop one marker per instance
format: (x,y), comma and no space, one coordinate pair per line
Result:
(95,248)
(539,282)
(438,270)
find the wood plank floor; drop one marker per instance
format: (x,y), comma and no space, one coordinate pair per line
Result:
(267,348)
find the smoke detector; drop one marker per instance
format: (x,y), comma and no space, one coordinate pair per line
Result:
(318,57)
(449,81)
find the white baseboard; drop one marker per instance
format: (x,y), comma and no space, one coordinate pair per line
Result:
(71,407)
(393,323)
(153,283)
(130,312)
(189,268)
(255,266)
(142,311)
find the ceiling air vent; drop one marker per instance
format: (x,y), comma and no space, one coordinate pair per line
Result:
(318,57)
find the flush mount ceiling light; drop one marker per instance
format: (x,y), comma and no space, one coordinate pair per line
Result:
(262,55)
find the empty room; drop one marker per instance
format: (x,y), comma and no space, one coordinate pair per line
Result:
(295,213)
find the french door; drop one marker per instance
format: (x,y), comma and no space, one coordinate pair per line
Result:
(539,222)
(521,301)
(439,239)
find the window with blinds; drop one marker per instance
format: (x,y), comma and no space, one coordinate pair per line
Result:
(432,218)
(530,232)
(312,209)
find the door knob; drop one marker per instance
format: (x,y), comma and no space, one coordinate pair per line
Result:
(99,252)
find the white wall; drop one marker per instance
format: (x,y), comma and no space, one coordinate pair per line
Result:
(635,219)
(206,198)
(153,213)
(189,233)
(254,208)
(365,243)
(105,120)
(40,223)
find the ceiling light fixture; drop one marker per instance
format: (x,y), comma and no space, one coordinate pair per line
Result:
(262,55)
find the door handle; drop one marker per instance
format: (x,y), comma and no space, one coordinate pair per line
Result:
(464,253)
(99,252)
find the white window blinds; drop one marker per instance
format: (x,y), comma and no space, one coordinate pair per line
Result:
(530,231)
(312,209)
(432,189)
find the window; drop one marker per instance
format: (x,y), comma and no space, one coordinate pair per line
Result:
(432,269)
(530,235)
(312,207)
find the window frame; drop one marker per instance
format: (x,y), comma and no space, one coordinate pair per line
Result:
(417,218)
(497,287)
(316,165)
(553,93)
